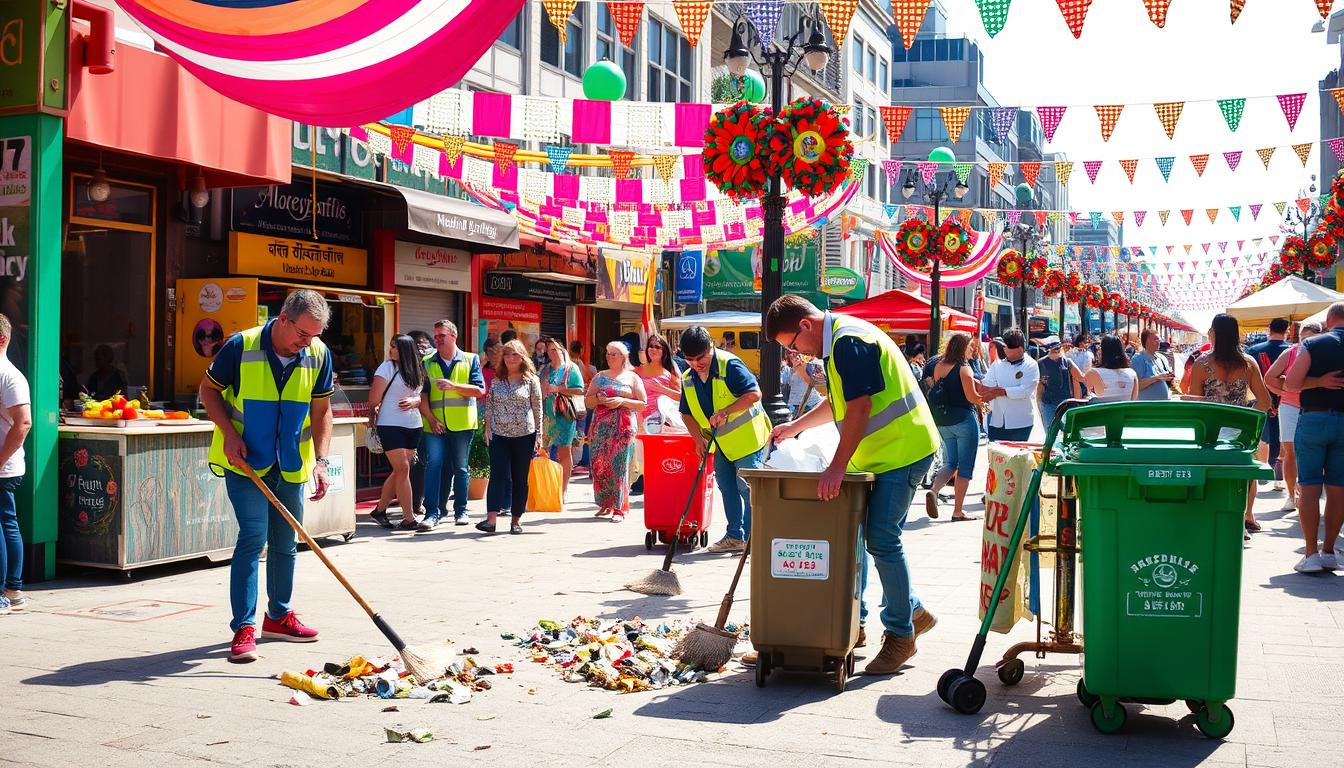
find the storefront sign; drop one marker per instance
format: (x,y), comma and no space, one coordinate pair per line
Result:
(449,217)
(34,48)
(432,266)
(736,274)
(286,210)
(500,315)
(16,198)
(512,286)
(690,277)
(624,276)
(843,282)
(510,309)
(297,260)
(800,559)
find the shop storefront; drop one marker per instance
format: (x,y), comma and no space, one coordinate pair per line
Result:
(553,279)
(623,283)
(433,282)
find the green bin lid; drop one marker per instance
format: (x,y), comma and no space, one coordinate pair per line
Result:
(1157,432)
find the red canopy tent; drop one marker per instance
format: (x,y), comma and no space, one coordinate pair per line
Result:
(902,312)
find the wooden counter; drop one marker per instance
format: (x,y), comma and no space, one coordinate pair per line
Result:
(141,495)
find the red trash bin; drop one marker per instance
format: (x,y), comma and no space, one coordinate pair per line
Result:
(670,467)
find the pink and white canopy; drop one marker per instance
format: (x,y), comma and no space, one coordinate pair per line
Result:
(334,63)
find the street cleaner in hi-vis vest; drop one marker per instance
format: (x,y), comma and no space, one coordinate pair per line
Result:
(719,393)
(885,428)
(448,405)
(268,392)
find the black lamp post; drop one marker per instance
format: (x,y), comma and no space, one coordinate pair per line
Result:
(783,59)
(1027,237)
(935,194)
(1295,219)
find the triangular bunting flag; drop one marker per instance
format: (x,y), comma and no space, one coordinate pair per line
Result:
(1165,164)
(1139,216)
(963,171)
(1255,212)
(1233,159)
(1303,152)
(1291,104)
(909,17)
(1304,204)
(1324,7)
(1050,119)
(1108,115)
(1095,216)
(1187,214)
(895,119)
(1338,93)
(1169,112)
(838,14)
(1030,171)
(1232,110)
(1001,118)
(1266,154)
(627,16)
(665,165)
(1337,147)
(402,135)
(1130,167)
(1281,207)
(1075,14)
(1163,216)
(1205,246)
(558,13)
(991,216)
(1073,217)
(692,14)
(890,209)
(1212,213)
(993,14)
(1235,210)
(954,118)
(965,215)
(1041,217)
(892,168)
(559,157)
(1092,167)
(996,174)
(764,17)
(1200,162)
(1063,169)
(1013,217)
(1119,217)
(452,148)
(504,152)
(1187,247)
(927,170)
(1157,11)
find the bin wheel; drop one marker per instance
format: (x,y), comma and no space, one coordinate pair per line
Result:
(945,684)
(1086,697)
(762,669)
(1193,705)
(1218,730)
(662,537)
(1011,671)
(849,664)
(704,539)
(967,694)
(1106,724)
(648,541)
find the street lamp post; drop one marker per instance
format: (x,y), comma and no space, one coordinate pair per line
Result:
(935,194)
(782,58)
(1308,220)
(1027,238)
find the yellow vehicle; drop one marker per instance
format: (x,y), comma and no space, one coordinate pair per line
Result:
(737,332)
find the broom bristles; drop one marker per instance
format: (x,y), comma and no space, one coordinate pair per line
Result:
(427,662)
(657,582)
(706,647)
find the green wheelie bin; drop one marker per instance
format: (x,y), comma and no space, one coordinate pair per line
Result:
(1161,489)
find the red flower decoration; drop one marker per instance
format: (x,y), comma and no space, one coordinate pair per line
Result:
(914,244)
(735,148)
(953,243)
(1034,276)
(1073,287)
(810,146)
(111,487)
(82,458)
(1321,251)
(1093,296)
(1011,268)
(1293,254)
(1054,283)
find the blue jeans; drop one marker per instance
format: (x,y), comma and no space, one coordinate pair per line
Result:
(961,441)
(260,526)
(450,448)
(11,554)
(735,491)
(888,504)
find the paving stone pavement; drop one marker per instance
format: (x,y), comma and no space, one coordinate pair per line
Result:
(91,685)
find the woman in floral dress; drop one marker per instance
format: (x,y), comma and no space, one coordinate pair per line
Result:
(615,396)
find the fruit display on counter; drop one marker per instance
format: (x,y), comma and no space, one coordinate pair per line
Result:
(118,407)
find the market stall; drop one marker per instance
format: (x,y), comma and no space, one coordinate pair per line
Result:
(143,494)
(1292,298)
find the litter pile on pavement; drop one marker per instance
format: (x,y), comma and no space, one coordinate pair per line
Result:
(621,655)
(387,678)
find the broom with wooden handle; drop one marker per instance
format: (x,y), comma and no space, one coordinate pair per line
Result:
(426,664)
(709,648)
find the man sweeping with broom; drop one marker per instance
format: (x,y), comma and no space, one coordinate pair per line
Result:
(885,428)
(268,394)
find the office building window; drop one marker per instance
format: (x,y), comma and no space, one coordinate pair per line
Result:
(870,64)
(870,117)
(609,47)
(671,65)
(570,55)
(883,79)
(929,126)
(513,34)
(856,49)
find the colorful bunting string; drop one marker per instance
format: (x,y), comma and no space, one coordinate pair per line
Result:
(1030,171)
(504,152)
(1130,167)
(1200,162)
(1063,169)
(954,118)
(1108,115)
(1092,167)
(1169,112)
(996,173)
(1266,154)
(1001,119)
(1303,152)
(909,17)
(558,157)
(692,14)
(764,16)
(894,118)
(1291,103)
(1050,119)
(993,14)
(558,13)
(1233,159)
(1165,164)
(665,166)
(627,16)
(838,15)
(1075,14)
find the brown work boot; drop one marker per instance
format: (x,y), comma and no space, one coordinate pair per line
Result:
(924,621)
(896,651)
(863,638)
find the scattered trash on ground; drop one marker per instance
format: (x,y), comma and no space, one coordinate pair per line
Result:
(624,656)
(603,715)
(417,735)
(385,678)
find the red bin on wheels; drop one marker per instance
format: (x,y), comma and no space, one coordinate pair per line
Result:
(670,468)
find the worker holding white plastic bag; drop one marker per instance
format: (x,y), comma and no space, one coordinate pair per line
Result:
(811,451)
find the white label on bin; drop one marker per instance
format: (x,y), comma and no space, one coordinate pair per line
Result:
(1164,582)
(800,559)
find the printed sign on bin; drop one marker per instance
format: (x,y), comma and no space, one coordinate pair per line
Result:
(800,559)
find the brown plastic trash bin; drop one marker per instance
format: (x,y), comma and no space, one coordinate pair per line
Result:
(805,571)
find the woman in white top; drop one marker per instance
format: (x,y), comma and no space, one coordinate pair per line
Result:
(1111,380)
(395,399)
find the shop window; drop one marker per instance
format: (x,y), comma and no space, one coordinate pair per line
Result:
(671,65)
(514,34)
(567,56)
(609,47)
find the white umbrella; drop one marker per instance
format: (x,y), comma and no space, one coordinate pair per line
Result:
(1292,298)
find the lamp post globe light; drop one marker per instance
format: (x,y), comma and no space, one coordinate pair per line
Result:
(935,193)
(782,59)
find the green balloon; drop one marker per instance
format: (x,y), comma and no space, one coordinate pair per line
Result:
(942,155)
(753,86)
(604,81)
(1024,193)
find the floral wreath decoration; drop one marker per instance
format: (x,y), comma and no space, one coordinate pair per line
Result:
(1093,296)
(953,243)
(735,149)
(1053,283)
(1293,254)
(1321,251)
(1114,302)
(1034,276)
(1073,287)
(1011,268)
(810,146)
(914,244)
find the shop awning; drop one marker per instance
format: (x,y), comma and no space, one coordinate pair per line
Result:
(449,217)
(151,106)
(901,312)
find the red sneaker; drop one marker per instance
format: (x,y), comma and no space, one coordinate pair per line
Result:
(289,629)
(244,648)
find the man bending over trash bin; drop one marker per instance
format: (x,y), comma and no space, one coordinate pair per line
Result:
(885,428)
